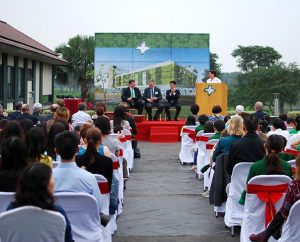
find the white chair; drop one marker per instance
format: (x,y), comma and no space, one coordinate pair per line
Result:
(119,174)
(290,230)
(208,175)
(111,227)
(186,154)
(255,212)
(293,165)
(128,151)
(55,163)
(201,140)
(234,211)
(5,199)
(31,223)
(84,215)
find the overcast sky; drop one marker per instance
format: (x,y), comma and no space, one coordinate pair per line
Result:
(230,23)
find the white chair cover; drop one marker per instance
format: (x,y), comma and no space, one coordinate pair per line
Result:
(208,175)
(55,163)
(235,211)
(119,176)
(255,210)
(186,154)
(201,139)
(83,213)
(290,230)
(128,151)
(31,223)
(5,199)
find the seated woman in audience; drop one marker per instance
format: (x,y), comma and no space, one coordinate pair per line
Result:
(61,113)
(190,120)
(291,126)
(216,110)
(55,129)
(278,127)
(263,129)
(82,133)
(291,197)
(235,133)
(36,146)
(112,143)
(195,110)
(219,126)
(102,149)
(209,127)
(119,118)
(35,188)
(202,119)
(12,128)
(91,160)
(271,164)
(100,111)
(14,159)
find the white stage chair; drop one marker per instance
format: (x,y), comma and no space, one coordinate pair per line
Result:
(31,223)
(5,199)
(290,230)
(84,215)
(234,211)
(254,220)
(186,154)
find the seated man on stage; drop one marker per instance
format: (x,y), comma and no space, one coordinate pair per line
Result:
(152,96)
(212,78)
(172,96)
(132,96)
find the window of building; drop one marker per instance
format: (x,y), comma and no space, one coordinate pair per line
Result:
(1,82)
(10,82)
(21,83)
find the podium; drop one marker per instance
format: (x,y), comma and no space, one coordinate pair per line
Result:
(211,94)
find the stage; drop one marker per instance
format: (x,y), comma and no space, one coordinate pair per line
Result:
(159,131)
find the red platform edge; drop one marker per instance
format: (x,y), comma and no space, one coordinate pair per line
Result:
(159,131)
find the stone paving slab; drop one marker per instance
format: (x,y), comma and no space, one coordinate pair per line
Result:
(162,201)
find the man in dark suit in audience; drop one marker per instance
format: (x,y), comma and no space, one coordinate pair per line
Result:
(132,96)
(16,114)
(259,113)
(152,96)
(250,148)
(26,114)
(172,96)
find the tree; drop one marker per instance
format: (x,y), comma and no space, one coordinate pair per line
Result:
(253,57)
(213,65)
(79,52)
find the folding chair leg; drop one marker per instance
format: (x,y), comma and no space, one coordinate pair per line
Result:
(232,231)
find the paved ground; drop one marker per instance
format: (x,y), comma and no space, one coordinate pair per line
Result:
(163,202)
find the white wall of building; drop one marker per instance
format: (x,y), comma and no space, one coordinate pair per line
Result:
(47,79)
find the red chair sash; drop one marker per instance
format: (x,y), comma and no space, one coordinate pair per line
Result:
(128,137)
(104,187)
(123,139)
(115,165)
(121,153)
(191,133)
(210,146)
(269,195)
(292,152)
(202,138)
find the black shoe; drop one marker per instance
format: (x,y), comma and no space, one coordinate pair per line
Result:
(105,219)
(155,118)
(176,119)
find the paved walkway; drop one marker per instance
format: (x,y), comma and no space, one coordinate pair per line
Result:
(163,202)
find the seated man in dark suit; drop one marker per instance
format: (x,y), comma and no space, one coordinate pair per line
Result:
(152,96)
(172,96)
(132,96)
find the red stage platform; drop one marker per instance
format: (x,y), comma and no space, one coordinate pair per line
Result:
(159,131)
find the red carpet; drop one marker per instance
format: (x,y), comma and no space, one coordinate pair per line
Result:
(159,131)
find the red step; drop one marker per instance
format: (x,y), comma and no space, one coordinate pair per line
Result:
(162,134)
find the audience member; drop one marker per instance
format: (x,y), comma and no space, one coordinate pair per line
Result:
(36,188)
(278,127)
(271,164)
(37,110)
(239,109)
(53,109)
(13,160)
(3,115)
(249,148)
(190,120)
(235,131)
(219,126)
(18,112)
(36,146)
(195,110)
(81,116)
(26,125)
(216,113)
(11,129)
(120,118)
(259,111)
(292,195)
(209,127)
(67,175)
(202,119)
(291,125)
(92,160)
(26,114)
(55,129)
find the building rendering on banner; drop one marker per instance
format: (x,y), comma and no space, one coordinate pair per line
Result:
(161,57)
(26,68)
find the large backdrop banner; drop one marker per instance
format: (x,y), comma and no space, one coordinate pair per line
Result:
(161,57)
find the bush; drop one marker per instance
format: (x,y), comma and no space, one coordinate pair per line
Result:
(293,114)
